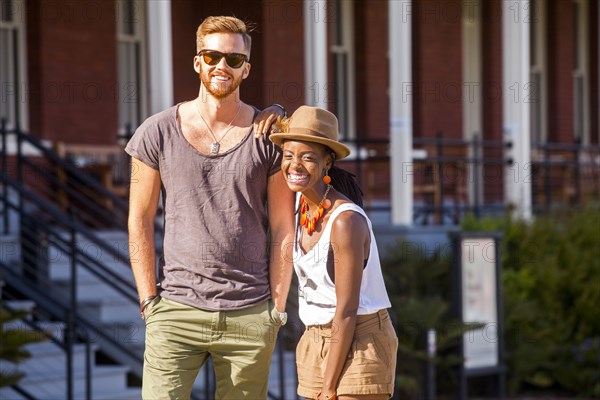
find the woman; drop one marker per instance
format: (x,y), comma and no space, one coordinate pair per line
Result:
(348,350)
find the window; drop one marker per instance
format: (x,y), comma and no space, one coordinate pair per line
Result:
(131,56)
(12,63)
(342,49)
(580,72)
(537,73)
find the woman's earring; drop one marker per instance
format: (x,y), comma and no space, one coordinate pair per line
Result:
(327,178)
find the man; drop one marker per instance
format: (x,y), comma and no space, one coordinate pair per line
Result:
(218,270)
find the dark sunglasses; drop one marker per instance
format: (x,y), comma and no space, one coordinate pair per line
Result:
(213,57)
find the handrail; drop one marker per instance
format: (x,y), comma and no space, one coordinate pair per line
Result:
(36,328)
(68,222)
(99,212)
(60,312)
(52,156)
(85,182)
(566,146)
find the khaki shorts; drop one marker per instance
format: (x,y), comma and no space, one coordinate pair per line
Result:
(371,364)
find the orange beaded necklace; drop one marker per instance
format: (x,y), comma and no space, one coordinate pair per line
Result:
(311,222)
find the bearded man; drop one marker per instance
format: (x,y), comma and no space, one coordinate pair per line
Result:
(223,279)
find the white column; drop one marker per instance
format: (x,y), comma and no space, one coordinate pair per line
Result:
(160,55)
(472,96)
(315,52)
(401,118)
(516,91)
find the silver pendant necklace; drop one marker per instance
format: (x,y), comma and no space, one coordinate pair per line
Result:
(216,145)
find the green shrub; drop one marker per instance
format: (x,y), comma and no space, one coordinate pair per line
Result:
(11,344)
(551,286)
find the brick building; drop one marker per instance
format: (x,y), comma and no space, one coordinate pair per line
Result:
(413,83)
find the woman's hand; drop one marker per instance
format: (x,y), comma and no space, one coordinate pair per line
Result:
(265,119)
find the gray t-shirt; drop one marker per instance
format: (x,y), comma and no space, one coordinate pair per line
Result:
(215,254)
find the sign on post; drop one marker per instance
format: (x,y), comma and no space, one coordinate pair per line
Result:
(477,299)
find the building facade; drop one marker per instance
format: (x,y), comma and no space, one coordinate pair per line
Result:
(450,105)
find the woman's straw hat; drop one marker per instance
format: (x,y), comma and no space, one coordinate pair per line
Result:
(312,124)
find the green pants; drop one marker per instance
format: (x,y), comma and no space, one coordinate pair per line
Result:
(179,339)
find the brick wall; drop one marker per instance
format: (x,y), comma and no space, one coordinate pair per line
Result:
(283,56)
(72,73)
(437,68)
(560,71)
(491,53)
(185,19)
(372,68)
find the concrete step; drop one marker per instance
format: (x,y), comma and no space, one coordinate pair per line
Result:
(116,240)
(20,305)
(88,289)
(52,384)
(127,394)
(60,269)
(130,334)
(111,310)
(10,249)
(55,328)
(49,356)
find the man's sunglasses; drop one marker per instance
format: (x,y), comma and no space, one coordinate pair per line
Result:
(213,57)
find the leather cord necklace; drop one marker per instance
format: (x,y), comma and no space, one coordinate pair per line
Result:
(216,145)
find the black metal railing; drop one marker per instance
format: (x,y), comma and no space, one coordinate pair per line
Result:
(448,176)
(454,177)
(70,337)
(564,175)
(30,276)
(29,189)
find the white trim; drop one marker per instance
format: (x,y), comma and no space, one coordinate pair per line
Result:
(160,55)
(472,89)
(471,57)
(138,37)
(347,116)
(20,24)
(315,53)
(517,111)
(582,40)
(401,110)
(540,66)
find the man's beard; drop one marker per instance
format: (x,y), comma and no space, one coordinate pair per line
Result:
(220,90)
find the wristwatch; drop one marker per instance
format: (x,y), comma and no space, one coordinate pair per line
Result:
(282,317)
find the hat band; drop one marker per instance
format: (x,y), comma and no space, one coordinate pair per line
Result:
(310,132)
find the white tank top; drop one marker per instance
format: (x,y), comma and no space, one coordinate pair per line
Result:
(317,299)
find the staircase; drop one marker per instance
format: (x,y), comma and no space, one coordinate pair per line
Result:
(64,248)
(113,312)
(45,372)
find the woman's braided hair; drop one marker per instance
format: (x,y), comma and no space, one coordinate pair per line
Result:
(345,182)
